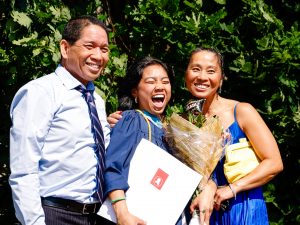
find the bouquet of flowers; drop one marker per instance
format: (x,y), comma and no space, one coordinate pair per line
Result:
(196,141)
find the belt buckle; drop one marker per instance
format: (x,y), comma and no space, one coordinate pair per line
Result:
(85,209)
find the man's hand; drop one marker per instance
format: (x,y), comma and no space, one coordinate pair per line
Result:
(113,118)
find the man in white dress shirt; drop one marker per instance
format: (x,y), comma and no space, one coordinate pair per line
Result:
(53,160)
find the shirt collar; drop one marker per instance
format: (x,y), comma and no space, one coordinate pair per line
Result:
(70,81)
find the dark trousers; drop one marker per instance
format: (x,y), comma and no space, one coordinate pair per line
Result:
(58,216)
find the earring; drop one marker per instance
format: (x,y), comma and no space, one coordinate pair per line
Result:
(220,90)
(136,100)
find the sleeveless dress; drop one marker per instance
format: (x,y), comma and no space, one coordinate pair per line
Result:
(249,207)
(125,136)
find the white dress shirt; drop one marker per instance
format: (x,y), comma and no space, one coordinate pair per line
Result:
(51,144)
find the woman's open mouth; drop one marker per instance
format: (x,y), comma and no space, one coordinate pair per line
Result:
(158,101)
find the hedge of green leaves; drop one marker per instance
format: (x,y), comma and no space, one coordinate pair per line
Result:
(260,40)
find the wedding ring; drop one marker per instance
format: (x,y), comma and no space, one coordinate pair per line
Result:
(203,211)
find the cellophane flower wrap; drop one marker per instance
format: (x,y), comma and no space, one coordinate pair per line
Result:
(198,147)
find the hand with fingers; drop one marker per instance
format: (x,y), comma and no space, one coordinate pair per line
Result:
(204,202)
(130,219)
(113,118)
(222,196)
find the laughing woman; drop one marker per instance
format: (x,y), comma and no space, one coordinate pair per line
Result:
(147,88)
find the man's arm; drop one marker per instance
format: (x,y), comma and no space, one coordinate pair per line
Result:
(30,122)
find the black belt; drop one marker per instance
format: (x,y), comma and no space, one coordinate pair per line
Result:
(71,205)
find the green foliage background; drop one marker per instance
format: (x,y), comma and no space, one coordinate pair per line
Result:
(260,40)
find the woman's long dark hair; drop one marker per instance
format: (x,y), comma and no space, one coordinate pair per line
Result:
(133,77)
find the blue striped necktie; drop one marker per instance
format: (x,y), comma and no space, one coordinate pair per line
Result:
(99,139)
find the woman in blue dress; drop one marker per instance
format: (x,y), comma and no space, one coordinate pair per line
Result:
(147,87)
(244,197)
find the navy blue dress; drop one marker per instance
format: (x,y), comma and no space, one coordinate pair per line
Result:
(249,206)
(125,137)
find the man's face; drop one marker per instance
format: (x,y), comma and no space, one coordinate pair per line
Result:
(88,56)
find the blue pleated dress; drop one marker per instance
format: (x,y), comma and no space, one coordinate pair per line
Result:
(249,207)
(125,137)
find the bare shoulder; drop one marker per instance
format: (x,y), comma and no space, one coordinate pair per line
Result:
(245,108)
(247,115)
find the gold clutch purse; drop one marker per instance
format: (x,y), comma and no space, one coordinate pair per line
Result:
(240,160)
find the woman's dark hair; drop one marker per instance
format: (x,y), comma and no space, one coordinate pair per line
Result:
(133,77)
(74,27)
(216,52)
